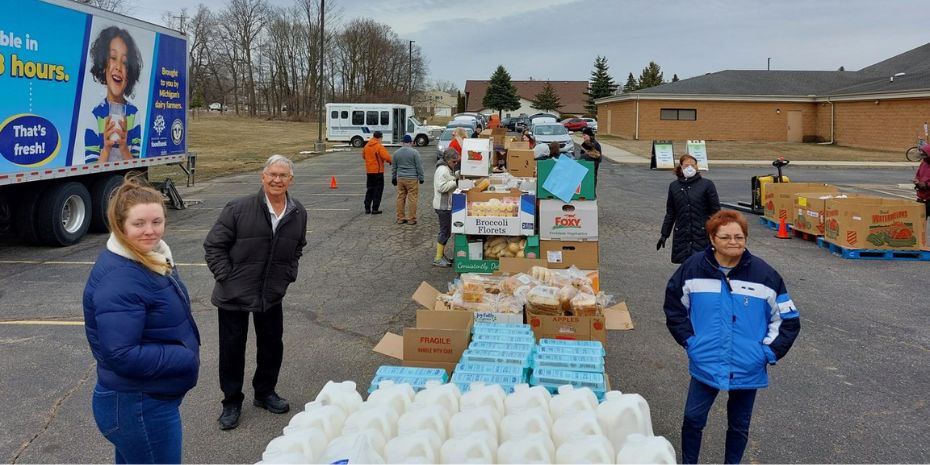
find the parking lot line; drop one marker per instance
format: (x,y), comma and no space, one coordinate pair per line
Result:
(42,322)
(55,262)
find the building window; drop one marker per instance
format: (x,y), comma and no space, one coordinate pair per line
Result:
(677,114)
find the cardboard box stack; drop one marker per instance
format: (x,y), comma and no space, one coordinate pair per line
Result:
(778,198)
(498,354)
(578,363)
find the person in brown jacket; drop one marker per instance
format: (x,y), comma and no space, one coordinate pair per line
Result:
(374,155)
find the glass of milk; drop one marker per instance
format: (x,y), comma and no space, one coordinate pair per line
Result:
(117,115)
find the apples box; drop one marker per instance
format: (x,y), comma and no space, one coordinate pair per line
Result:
(808,210)
(521,163)
(875,224)
(476,157)
(510,213)
(564,254)
(779,203)
(582,328)
(573,221)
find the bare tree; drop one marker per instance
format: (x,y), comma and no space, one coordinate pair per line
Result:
(117,6)
(247,19)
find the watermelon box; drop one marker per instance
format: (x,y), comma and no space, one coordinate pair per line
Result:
(875,224)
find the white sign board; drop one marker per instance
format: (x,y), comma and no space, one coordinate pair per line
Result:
(698,150)
(476,157)
(664,153)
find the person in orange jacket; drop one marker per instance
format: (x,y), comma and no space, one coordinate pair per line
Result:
(374,155)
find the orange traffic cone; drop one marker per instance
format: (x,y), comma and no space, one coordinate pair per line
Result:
(782,230)
(332,183)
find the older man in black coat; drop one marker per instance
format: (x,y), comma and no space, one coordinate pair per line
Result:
(252,251)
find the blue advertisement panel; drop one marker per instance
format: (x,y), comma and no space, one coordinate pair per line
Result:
(80,88)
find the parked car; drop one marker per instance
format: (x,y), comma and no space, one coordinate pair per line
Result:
(470,125)
(554,132)
(592,123)
(516,123)
(216,106)
(541,118)
(442,143)
(479,118)
(574,124)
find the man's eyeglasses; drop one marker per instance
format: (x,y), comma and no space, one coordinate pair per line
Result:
(731,238)
(278,177)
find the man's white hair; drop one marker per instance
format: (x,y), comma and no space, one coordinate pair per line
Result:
(276,159)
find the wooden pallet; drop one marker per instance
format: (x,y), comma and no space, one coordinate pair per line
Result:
(773,225)
(805,235)
(867,254)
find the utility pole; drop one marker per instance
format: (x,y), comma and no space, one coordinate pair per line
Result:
(768,67)
(319,140)
(410,72)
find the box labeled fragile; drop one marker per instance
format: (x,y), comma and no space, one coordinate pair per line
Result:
(510,213)
(573,221)
(778,198)
(875,224)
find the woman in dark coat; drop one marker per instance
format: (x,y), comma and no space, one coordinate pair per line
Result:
(691,201)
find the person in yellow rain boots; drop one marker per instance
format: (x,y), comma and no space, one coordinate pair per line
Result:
(444,183)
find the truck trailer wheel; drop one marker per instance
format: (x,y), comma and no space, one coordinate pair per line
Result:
(357,142)
(100,193)
(63,216)
(27,204)
(421,141)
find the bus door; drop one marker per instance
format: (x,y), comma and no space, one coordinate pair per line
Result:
(398,125)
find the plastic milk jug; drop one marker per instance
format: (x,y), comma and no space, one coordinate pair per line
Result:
(528,448)
(480,394)
(473,448)
(315,437)
(343,395)
(397,396)
(286,445)
(575,425)
(445,395)
(530,420)
(524,396)
(328,418)
(433,419)
(623,414)
(646,449)
(364,447)
(586,449)
(479,419)
(571,399)
(415,447)
(378,417)
(284,458)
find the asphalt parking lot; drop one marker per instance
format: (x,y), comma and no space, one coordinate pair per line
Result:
(852,390)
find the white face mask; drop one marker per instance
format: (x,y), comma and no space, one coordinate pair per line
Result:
(688,171)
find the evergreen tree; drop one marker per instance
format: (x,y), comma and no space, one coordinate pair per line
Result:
(674,78)
(547,99)
(501,94)
(651,76)
(600,86)
(460,103)
(631,84)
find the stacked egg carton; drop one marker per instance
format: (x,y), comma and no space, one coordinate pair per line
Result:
(416,377)
(557,362)
(498,354)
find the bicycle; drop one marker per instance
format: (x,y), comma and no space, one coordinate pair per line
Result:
(913,153)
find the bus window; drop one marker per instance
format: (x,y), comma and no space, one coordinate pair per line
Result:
(358,118)
(409,126)
(385,118)
(334,114)
(345,115)
(371,118)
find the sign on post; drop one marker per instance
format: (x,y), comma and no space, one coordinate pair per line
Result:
(664,154)
(698,150)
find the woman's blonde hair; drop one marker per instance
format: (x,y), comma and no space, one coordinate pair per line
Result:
(134,190)
(460,132)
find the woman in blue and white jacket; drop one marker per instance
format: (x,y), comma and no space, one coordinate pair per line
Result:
(733,315)
(137,316)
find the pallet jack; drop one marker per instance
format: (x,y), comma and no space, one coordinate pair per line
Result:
(757,189)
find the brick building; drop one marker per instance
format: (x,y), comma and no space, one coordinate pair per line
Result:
(882,106)
(571,96)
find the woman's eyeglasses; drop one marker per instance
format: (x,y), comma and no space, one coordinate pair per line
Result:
(731,238)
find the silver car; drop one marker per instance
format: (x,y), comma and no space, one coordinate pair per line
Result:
(442,143)
(554,132)
(592,123)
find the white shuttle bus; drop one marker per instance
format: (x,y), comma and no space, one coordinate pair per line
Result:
(356,122)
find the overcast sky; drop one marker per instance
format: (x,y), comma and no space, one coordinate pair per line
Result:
(559,39)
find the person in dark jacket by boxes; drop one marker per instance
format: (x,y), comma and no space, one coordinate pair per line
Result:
(253,252)
(922,177)
(138,321)
(732,314)
(591,150)
(691,201)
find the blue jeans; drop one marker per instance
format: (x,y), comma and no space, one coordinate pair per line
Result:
(739,413)
(143,429)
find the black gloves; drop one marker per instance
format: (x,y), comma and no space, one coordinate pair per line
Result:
(661,243)
(394,181)
(421,181)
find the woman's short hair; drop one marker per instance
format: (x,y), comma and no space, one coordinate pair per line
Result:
(100,55)
(554,149)
(681,160)
(449,155)
(279,159)
(725,217)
